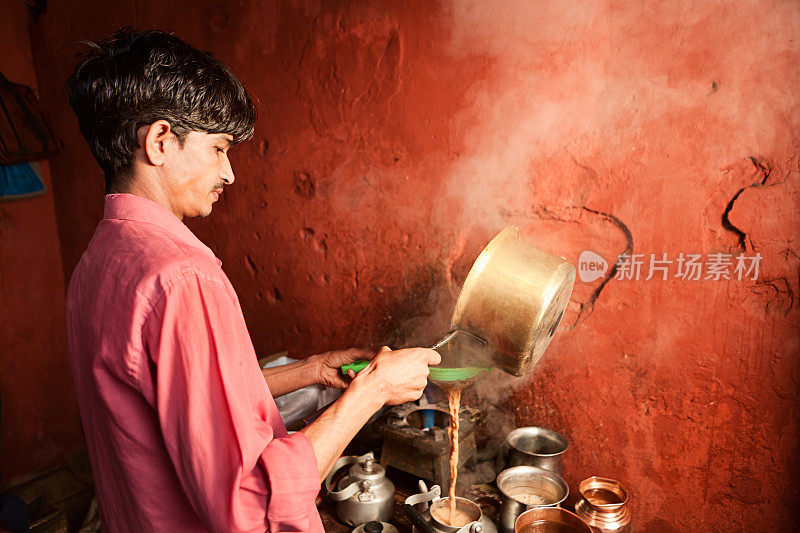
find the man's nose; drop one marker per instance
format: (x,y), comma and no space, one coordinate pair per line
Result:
(226,175)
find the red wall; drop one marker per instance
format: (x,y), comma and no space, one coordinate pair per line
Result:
(395,138)
(39,418)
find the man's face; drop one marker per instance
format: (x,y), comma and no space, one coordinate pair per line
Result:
(196,172)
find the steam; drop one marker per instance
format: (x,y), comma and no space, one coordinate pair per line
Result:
(589,81)
(575,99)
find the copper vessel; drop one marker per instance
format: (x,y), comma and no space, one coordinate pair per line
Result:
(550,520)
(603,505)
(514,298)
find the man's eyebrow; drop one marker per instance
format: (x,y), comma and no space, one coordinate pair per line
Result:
(228,140)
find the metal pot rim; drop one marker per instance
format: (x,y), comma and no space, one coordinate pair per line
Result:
(611,485)
(575,521)
(438,503)
(522,469)
(537,430)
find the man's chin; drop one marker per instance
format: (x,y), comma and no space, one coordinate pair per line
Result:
(203,211)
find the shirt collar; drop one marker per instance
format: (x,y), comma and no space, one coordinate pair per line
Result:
(131,207)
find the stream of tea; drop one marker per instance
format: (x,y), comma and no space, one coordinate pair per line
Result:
(453,403)
(452,389)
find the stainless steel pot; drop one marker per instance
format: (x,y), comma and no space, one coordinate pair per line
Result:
(428,508)
(514,298)
(528,487)
(535,446)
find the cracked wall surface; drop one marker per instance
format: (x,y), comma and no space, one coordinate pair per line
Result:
(395,139)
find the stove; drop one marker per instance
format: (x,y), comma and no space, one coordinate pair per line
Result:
(425,453)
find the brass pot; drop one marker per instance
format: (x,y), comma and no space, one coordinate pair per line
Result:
(604,505)
(550,520)
(514,298)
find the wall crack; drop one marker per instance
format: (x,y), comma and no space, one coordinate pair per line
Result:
(765,170)
(587,307)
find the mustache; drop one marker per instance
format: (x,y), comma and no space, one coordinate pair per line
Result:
(219,186)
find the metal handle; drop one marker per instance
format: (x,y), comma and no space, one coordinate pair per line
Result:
(306,420)
(353,488)
(361,364)
(417,519)
(430,496)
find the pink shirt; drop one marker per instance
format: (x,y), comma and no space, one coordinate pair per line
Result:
(182,431)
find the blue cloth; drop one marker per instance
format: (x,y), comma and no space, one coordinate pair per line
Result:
(19,181)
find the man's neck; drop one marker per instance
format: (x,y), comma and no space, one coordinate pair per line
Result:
(144,188)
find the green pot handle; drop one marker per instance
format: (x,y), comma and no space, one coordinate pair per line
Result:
(442,374)
(356,366)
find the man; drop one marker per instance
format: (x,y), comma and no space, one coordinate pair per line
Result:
(182,430)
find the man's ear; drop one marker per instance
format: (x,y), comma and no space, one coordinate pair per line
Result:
(153,140)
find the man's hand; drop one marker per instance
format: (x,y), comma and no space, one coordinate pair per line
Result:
(398,376)
(390,378)
(327,366)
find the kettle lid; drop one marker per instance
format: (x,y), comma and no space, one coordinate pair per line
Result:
(373,526)
(367,470)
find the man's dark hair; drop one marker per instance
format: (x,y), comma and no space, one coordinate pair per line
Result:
(136,78)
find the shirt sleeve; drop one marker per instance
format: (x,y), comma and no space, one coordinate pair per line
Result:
(218,418)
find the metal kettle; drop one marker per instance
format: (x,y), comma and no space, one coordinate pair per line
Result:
(365,494)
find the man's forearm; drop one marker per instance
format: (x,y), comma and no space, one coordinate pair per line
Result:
(288,378)
(335,428)
(390,378)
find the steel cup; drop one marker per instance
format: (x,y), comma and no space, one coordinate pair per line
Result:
(534,446)
(528,487)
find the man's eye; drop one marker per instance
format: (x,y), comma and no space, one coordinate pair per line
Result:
(220,149)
